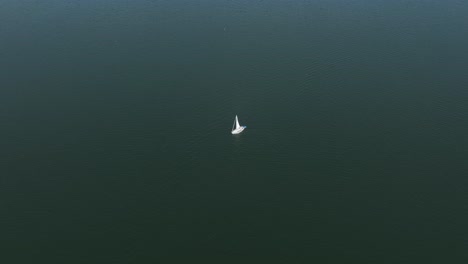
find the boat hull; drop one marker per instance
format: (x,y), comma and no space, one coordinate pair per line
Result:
(238,131)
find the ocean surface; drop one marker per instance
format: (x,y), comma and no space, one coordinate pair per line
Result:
(116,146)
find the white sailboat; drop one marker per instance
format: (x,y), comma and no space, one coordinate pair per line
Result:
(236,128)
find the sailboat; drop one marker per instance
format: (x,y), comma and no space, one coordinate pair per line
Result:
(236,128)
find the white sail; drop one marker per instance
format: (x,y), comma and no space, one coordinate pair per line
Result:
(237,123)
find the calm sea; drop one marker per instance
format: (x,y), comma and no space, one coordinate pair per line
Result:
(115,131)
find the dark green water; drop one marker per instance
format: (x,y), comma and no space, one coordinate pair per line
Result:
(116,145)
